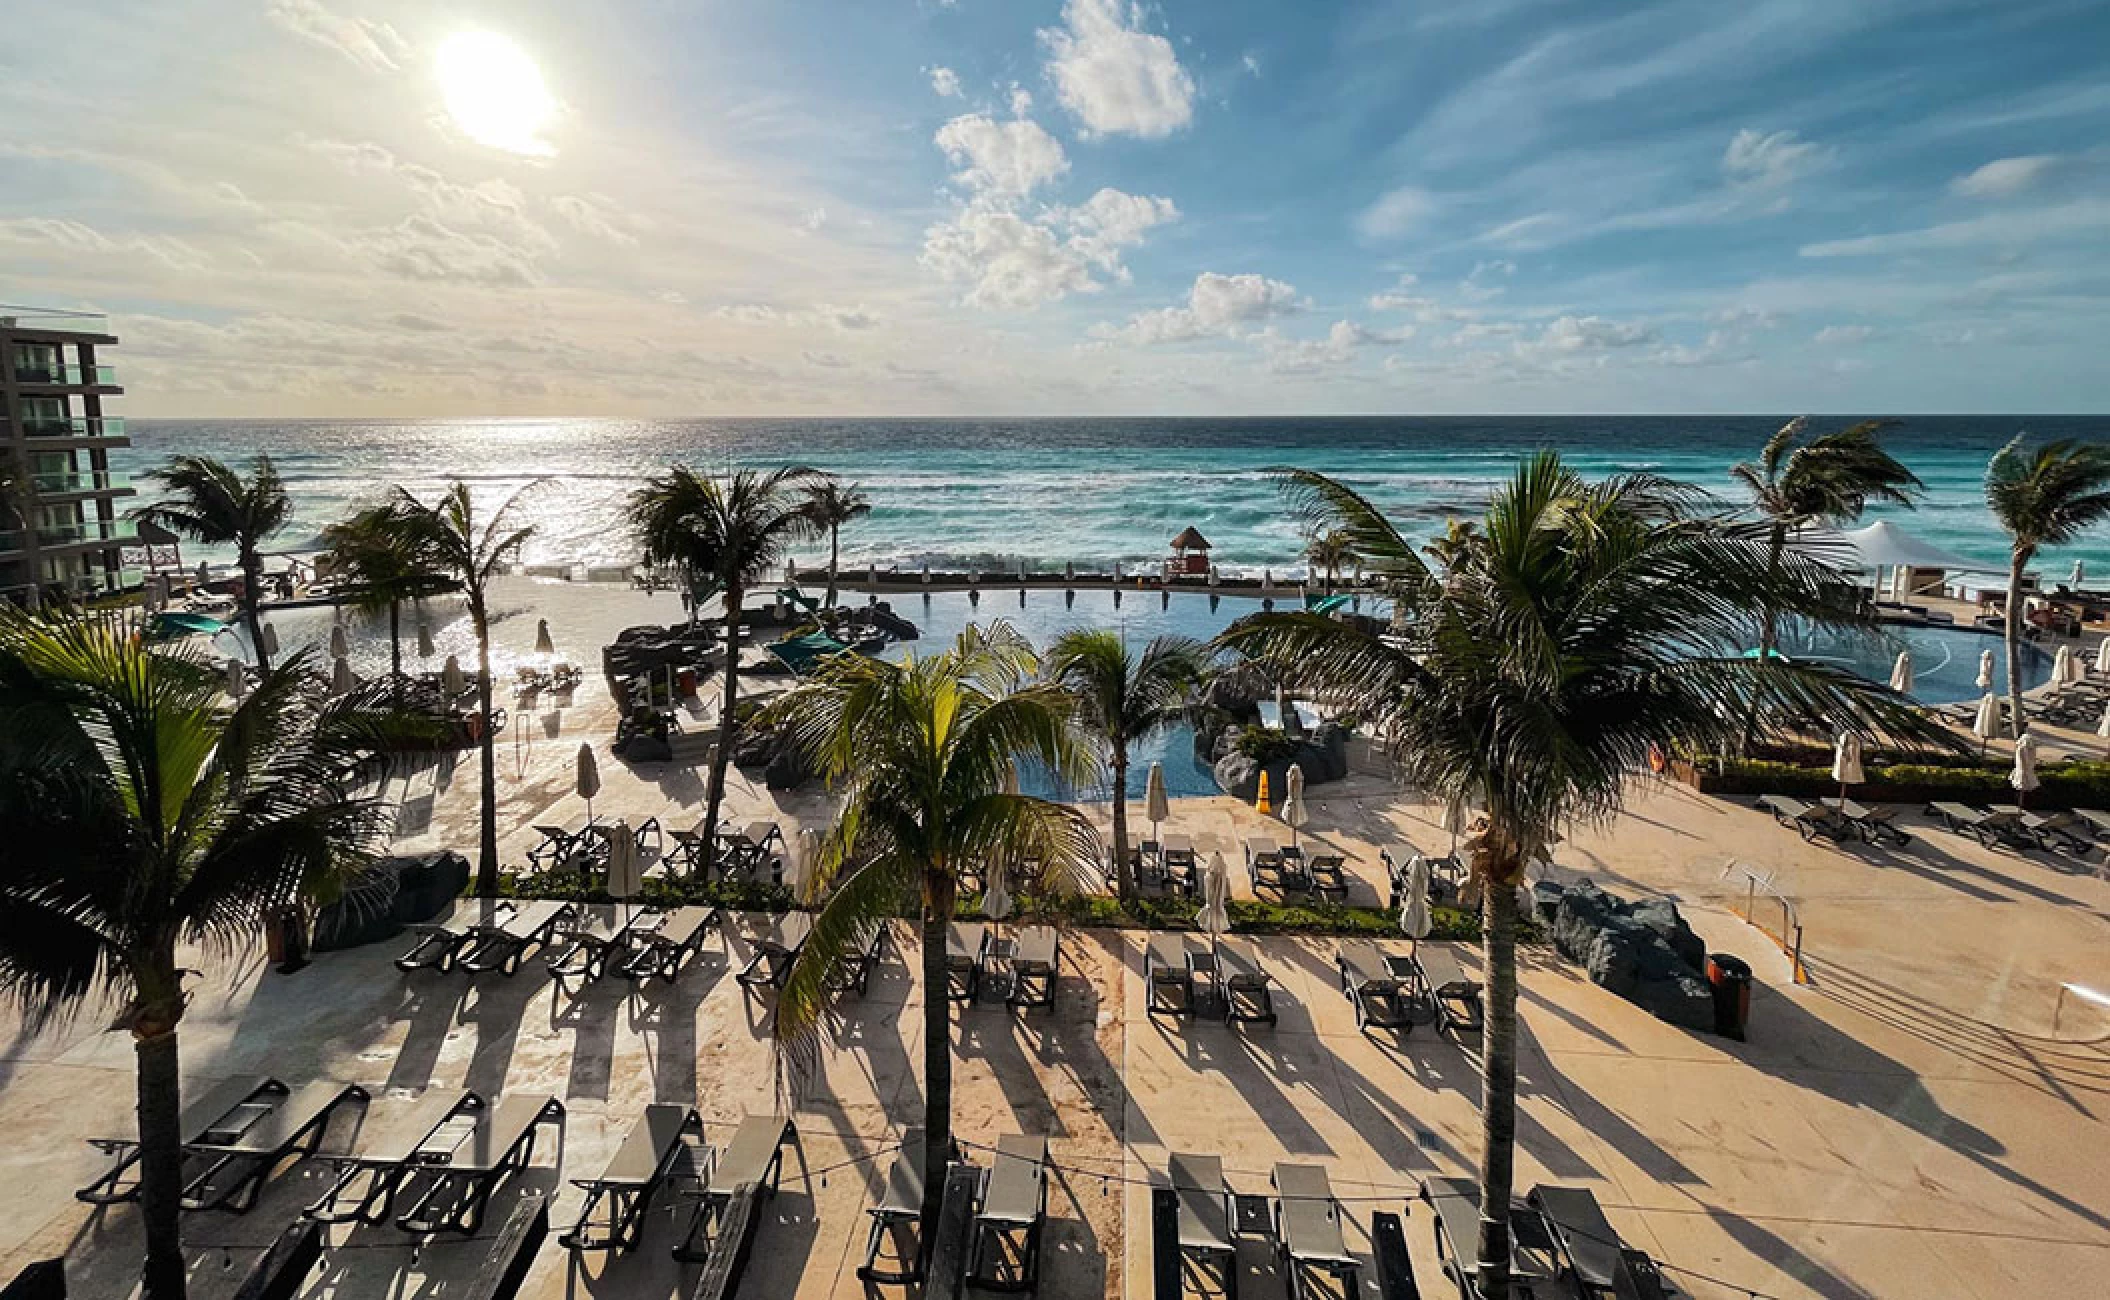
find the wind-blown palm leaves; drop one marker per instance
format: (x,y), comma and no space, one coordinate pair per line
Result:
(831,503)
(733,531)
(924,754)
(1121,698)
(1328,551)
(469,554)
(143,812)
(1582,625)
(2042,496)
(210,503)
(386,565)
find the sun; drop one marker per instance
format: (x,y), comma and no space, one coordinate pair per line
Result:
(495,93)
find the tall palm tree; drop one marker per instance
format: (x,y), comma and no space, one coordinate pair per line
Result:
(733,532)
(387,565)
(1326,551)
(144,814)
(831,503)
(210,503)
(1121,699)
(926,755)
(468,554)
(1582,625)
(2042,496)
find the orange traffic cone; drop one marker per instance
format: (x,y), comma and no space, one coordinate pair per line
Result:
(1261,804)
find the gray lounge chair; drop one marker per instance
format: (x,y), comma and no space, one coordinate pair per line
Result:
(496,1142)
(226,1165)
(650,1152)
(1005,1255)
(1249,992)
(1167,976)
(746,850)
(503,942)
(853,970)
(1453,997)
(438,945)
(1328,875)
(1263,863)
(1988,827)
(900,1203)
(1587,1243)
(775,951)
(1308,1230)
(241,1100)
(662,950)
(1807,820)
(755,1155)
(1207,1213)
(592,944)
(2055,832)
(1032,958)
(390,1143)
(1872,824)
(964,941)
(1372,983)
(1534,1261)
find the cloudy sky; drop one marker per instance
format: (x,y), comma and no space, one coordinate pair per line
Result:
(690,207)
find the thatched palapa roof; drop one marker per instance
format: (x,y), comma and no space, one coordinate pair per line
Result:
(1190,540)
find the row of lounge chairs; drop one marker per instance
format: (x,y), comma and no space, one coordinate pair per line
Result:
(1287,870)
(487,935)
(2075,832)
(1018,963)
(587,846)
(1392,991)
(1560,1245)
(1005,1213)
(1223,980)
(1836,820)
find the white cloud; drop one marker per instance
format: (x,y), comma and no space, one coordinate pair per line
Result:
(1021,100)
(1535,231)
(1217,306)
(1843,335)
(1008,260)
(1340,344)
(421,248)
(372,45)
(1251,63)
(2005,176)
(812,221)
(595,215)
(1571,334)
(945,81)
(2085,216)
(1398,297)
(1394,213)
(1111,221)
(1006,159)
(1769,161)
(1113,77)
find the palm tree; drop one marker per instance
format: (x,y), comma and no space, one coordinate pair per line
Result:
(387,566)
(467,556)
(144,812)
(1581,626)
(831,503)
(926,754)
(732,531)
(210,503)
(1326,552)
(1121,698)
(2043,496)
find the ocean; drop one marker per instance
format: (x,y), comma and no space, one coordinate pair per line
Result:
(989,493)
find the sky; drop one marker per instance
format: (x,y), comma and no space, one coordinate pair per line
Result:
(929,207)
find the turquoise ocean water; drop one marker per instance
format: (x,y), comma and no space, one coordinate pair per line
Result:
(988,492)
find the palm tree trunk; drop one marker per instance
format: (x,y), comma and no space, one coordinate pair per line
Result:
(729,695)
(1124,875)
(2012,632)
(937,1058)
(834,557)
(1768,629)
(395,643)
(1498,1080)
(161,1152)
(487,758)
(252,599)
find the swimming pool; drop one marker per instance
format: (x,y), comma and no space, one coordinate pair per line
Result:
(1944,659)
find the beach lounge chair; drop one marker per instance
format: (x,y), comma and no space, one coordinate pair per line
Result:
(1807,820)
(662,950)
(1249,992)
(1453,998)
(229,1098)
(775,951)
(437,945)
(1534,1263)
(754,1156)
(591,944)
(748,849)
(1263,863)
(650,1152)
(1988,827)
(390,1141)
(1032,956)
(1588,1246)
(1177,854)
(853,970)
(900,1203)
(2093,822)
(1167,976)
(2054,832)
(1372,983)
(560,845)
(494,1143)
(1872,824)
(225,1165)
(964,942)
(503,942)
(1207,1213)
(1390,1257)
(687,852)
(1308,1230)
(1005,1255)
(1446,875)
(1328,875)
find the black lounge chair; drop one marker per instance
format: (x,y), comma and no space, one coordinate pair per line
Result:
(1446,875)
(1249,992)
(1207,1213)
(1372,983)
(1872,824)
(591,945)
(852,972)
(503,942)
(1176,856)
(468,1160)
(1328,875)
(1308,1230)
(1394,1264)
(1807,820)
(963,959)
(754,1157)
(1989,827)
(655,1145)
(561,847)
(247,1098)
(390,1144)
(776,950)
(1588,1246)
(2056,832)
(1533,1257)
(687,852)
(1453,997)
(661,948)
(1005,1255)
(1167,976)
(439,945)
(1263,864)
(900,1205)
(226,1165)
(748,848)
(1032,957)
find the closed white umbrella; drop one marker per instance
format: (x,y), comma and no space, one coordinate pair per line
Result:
(237,681)
(996,899)
(1985,670)
(424,638)
(2024,777)
(2103,728)
(452,680)
(1414,904)
(1156,807)
(1846,761)
(625,879)
(872,576)
(2080,572)
(1986,723)
(340,644)
(270,641)
(1117,571)
(791,573)
(2062,666)
(926,573)
(1294,814)
(1213,577)
(1901,673)
(545,644)
(587,780)
(1215,915)
(341,677)
(2102,657)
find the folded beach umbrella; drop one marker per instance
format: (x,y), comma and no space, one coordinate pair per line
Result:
(340,644)
(1986,724)
(2103,728)
(2062,666)
(1213,576)
(1261,804)
(545,644)
(1267,582)
(996,899)
(625,878)
(1985,670)
(270,641)
(1294,814)
(237,682)
(1156,807)
(587,780)
(1069,570)
(452,681)
(341,677)
(2080,572)
(1117,571)
(2102,657)
(1901,673)
(926,573)
(2024,777)
(872,576)
(1216,898)
(1846,761)
(1414,904)
(791,573)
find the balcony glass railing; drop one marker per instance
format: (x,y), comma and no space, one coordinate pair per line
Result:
(93,530)
(53,318)
(10,542)
(61,484)
(39,373)
(107,427)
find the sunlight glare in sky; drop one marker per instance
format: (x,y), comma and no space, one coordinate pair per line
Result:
(495,93)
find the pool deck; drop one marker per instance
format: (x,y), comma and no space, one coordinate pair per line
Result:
(1905,1125)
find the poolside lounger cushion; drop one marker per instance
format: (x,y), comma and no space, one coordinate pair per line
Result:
(900,1202)
(500,1143)
(1586,1239)
(1452,995)
(963,959)
(389,1142)
(1014,1207)
(1249,993)
(1371,984)
(1033,958)
(633,1174)
(235,1162)
(1170,981)
(1308,1227)
(1206,1215)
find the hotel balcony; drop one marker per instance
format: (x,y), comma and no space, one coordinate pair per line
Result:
(94,326)
(106,432)
(70,377)
(90,532)
(49,487)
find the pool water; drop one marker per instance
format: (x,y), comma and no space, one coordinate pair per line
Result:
(1944,659)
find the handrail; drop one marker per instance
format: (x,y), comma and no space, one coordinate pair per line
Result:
(1790,935)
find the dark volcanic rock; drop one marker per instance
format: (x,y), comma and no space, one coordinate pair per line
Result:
(1643,952)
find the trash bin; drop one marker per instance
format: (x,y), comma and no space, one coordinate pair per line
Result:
(686,683)
(1731,978)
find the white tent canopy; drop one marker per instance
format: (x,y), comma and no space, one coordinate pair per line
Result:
(1883,545)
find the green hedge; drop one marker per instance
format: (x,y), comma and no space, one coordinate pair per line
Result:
(2082,784)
